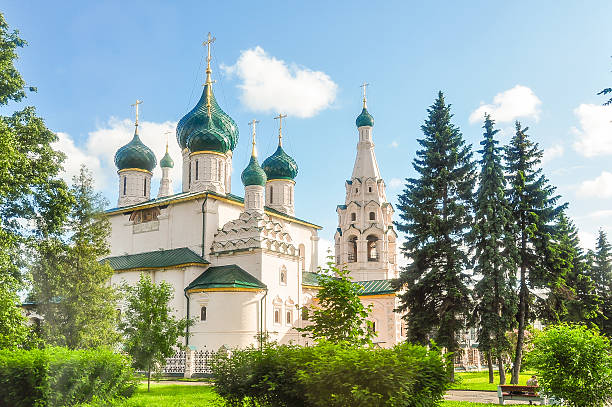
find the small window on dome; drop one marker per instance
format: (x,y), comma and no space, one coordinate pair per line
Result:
(145,187)
(372,216)
(271,195)
(197,169)
(124,184)
(369,189)
(353,217)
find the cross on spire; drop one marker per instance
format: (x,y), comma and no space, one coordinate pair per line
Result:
(253,124)
(138,102)
(167,133)
(208,44)
(363,87)
(280,118)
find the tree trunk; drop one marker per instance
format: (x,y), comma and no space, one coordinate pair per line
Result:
(149,379)
(520,339)
(490,366)
(500,365)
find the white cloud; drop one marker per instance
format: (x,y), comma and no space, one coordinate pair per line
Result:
(394,144)
(396,183)
(600,187)
(272,85)
(509,105)
(101,144)
(553,152)
(594,137)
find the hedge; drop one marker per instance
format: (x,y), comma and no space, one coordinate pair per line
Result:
(62,377)
(332,375)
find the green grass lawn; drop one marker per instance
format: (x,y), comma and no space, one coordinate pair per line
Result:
(480,380)
(449,403)
(172,395)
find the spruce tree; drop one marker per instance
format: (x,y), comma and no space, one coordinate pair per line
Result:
(533,203)
(602,275)
(492,240)
(571,291)
(71,286)
(435,214)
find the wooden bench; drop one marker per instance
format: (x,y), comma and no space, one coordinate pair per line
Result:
(525,393)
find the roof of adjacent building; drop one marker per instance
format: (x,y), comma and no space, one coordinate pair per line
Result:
(186,196)
(372,287)
(230,276)
(181,257)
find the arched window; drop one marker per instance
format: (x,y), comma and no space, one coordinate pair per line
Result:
(271,195)
(302,254)
(352,249)
(145,187)
(189,175)
(356,190)
(197,169)
(277,318)
(289,317)
(203,314)
(372,216)
(283,276)
(353,217)
(124,184)
(372,248)
(369,189)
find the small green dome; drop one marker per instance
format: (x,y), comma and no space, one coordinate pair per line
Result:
(253,174)
(364,119)
(166,161)
(280,165)
(217,132)
(135,155)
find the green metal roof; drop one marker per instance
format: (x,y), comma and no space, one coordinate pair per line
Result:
(253,174)
(157,259)
(280,165)
(166,161)
(364,119)
(135,155)
(230,276)
(375,287)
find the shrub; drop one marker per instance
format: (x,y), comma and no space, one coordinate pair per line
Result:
(61,377)
(332,375)
(573,363)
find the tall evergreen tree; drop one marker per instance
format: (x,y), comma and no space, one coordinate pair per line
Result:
(571,291)
(495,253)
(70,286)
(602,275)
(533,204)
(435,214)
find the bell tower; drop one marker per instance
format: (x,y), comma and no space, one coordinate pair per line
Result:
(365,239)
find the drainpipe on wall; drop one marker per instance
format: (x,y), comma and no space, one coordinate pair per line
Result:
(261,319)
(187,329)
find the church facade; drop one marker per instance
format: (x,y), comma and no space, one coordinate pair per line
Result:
(245,265)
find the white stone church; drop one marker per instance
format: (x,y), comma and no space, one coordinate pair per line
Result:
(242,266)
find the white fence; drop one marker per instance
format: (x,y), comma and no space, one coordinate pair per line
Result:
(189,363)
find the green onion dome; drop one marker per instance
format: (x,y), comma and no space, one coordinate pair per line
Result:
(280,165)
(364,119)
(166,161)
(200,132)
(135,155)
(253,174)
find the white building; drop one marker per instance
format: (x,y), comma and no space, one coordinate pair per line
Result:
(242,266)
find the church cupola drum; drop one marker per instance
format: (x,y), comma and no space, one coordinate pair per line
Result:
(207,137)
(281,170)
(135,162)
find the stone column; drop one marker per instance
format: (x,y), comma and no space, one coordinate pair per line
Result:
(189,363)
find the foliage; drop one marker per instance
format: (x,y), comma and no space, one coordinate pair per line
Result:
(495,254)
(332,375)
(602,276)
(338,315)
(606,91)
(573,363)
(435,215)
(61,377)
(150,330)
(572,296)
(71,287)
(14,331)
(33,200)
(532,202)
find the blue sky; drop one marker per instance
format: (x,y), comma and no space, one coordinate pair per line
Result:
(539,62)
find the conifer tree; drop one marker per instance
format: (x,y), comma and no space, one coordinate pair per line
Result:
(571,291)
(71,287)
(435,214)
(533,203)
(495,253)
(602,275)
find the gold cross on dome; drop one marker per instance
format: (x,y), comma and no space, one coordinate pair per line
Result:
(363,87)
(253,124)
(207,44)
(280,118)
(167,135)
(138,102)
